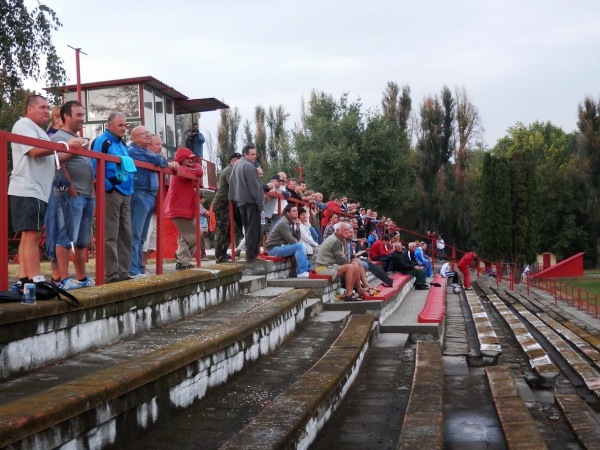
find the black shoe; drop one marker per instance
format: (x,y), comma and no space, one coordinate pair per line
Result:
(183,266)
(421,287)
(221,259)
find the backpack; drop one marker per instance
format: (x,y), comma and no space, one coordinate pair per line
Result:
(43,291)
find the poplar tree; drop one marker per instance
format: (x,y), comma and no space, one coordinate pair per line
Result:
(26,38)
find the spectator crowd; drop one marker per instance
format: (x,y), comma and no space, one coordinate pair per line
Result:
(280,217)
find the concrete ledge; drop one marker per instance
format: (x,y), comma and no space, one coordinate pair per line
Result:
(520,430)
(423,426)
(32,336)
(294,418)
(539,360)
(581,419)
(100,409)
(381,309)
(489,345)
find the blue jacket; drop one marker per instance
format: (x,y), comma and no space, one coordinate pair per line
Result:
(146,179)
(116,148)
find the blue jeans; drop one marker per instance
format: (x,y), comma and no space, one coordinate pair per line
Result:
(82,213)
(142,205)
(297,250)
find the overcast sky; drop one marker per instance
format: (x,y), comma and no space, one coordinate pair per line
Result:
(518,60)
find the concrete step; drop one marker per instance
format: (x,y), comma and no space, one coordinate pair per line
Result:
(96,398)
(405,317)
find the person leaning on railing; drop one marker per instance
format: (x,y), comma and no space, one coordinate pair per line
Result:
(30,185)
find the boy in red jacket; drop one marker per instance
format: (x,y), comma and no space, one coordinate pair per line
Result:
(181,204)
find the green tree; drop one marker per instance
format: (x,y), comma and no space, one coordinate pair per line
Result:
(13,108)
(260,137)
(588,165)
(227,134)
(494,227)
(26,37)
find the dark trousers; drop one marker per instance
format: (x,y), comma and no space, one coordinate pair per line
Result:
(222,241)
(250,216)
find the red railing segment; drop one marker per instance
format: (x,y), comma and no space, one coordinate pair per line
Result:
(6,138)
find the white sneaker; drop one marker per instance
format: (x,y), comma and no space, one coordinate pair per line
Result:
(139,275)
(454,285)
(302,275)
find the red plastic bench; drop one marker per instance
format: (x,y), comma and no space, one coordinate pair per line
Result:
(435,305)
(386,293)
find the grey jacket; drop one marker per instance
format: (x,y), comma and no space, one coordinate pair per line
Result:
(282,234)
(244,184)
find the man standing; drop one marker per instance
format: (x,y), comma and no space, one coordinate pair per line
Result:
(30,186)
(284,240)
(464,264)
(182,200)
(118,184)
(246,191)
(195,141)
(75,207)
(405,262)
(156,147)
(221,210)
(143,200)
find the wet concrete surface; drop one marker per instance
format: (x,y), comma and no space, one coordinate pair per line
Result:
(226,409)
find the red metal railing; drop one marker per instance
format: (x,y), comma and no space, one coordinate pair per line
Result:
(102,158)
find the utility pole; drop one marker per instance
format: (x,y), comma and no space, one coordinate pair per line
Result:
(78,71)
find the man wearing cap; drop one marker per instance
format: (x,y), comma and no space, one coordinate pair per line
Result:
(246,191)
(221,209)
(181,206)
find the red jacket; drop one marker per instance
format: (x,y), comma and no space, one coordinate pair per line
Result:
(332,207)
(181,199)
(466,260)
(378,249)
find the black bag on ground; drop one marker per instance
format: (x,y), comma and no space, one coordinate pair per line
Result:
(43,291)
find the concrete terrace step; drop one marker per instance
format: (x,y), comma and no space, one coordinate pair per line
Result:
(405,318)
(97,408)
(227,409)
(520,430)
(588,374)
(489,346)
(423,426)
(539,360)
(294,418)
(381,309)
(33,336)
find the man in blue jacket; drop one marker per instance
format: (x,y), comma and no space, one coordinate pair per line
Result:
(143,200)
(118,184)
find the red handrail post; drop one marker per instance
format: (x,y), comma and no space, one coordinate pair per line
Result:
(100,219)
(198,252)
(4,219)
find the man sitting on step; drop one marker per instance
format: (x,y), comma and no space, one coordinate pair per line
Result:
(405,262)
(332,261)
(284,239)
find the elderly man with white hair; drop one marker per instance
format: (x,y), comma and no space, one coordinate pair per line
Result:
(332,261)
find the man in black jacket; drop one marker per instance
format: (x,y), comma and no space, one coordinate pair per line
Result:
(405,262)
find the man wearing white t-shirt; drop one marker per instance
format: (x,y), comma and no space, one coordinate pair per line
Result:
(30,185)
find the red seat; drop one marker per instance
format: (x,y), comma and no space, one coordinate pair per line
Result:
(386,293)
(435,304)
